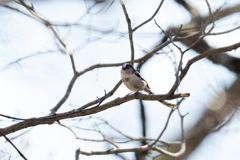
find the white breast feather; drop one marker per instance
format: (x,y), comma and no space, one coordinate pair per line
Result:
(133,82)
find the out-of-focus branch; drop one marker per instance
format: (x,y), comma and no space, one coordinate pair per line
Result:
(165,127)
(195,24)
(19,152)
(144,147)
(194,12)
(26,57)
(67,48)
(129,138)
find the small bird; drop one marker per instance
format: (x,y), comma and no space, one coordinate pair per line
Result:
(134,81)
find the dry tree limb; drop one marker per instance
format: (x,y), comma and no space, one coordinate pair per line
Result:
(148,20)
(130,31)
(71,114)
(129,138)
(211,18)
(144,147)
(68,51)
(77,113)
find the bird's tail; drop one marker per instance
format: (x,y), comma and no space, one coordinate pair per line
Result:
(170,105)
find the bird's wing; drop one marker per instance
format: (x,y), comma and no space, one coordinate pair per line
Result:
(138,75)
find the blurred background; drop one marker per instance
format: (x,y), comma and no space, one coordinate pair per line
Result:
(34,75)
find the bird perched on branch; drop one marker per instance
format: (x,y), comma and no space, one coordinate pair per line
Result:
(134,81)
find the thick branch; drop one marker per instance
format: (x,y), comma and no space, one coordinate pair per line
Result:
(77,113)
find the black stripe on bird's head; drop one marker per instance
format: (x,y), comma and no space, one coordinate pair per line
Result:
(126,66)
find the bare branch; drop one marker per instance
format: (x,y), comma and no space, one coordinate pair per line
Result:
(224,32)
(210,30)
(137,149)
(68,51)
(116,151)
(10,117)
(19,152)
(206,54)
(165,127)
(148,20)
(76,113)
(109,94)
(130,139)
(26,57)
(170,36)
(65,97)
(226,122)
(130,31)
(178,79)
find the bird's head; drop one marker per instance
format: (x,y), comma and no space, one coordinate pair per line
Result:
(127,68)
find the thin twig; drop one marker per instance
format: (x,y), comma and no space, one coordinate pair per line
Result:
(148,20)
(15,118)
(19,152)
(179,79)
(224,32)
(165,127)
(65,97)
(130,31)
(68,51)
(109,94)
(210,30)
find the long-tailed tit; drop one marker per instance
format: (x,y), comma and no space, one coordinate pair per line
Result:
(134,81)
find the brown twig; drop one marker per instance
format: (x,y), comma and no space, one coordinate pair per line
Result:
(68,51)
(165,127)
(109,94)
(130,31)
(10,117)
(178,80)
(210,30)
(65,97)
(148,20)
(224,32)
